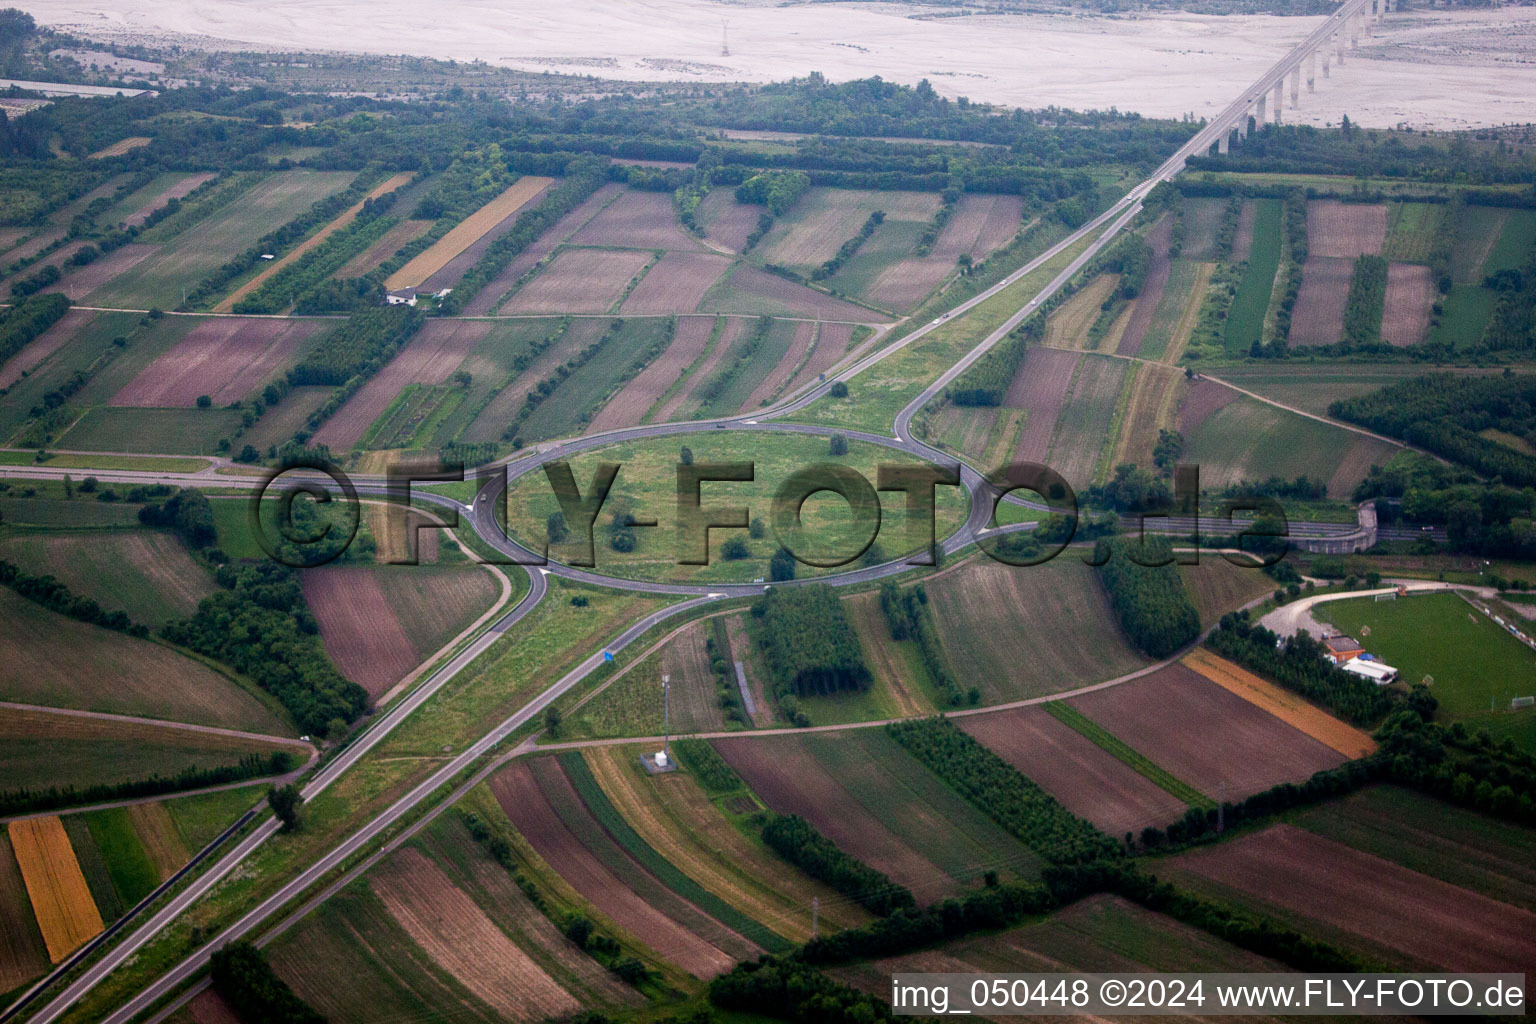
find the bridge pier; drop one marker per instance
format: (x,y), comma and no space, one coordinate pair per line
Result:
(1224,143)
(1262,110)
(1312,71)
(1339,39)
(1326,54)
(1295,86)
(1279,98)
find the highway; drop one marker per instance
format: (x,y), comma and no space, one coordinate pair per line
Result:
(481,518)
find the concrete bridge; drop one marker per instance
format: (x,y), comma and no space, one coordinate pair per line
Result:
(1265,99)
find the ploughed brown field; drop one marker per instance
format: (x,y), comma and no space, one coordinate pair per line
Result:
(750,290)
(1345,230)
(676,284)
(23,955)
(1410,301)
(730,331)
(523,800)
(791,781)
(726,222)
(1040,388)
(177,190)
(1211,738)
(459,937)
(1088,780)
(436,351)
(558,232)
(1205,399)
(1319,315)
(640,220)
(629,406)
(1427,922)
(1151,290)
(78,283)
(579,281)
(208,1007)
(1242,240)
(44,345)
(577,336)
(778,378)
(225,358)
(832,341)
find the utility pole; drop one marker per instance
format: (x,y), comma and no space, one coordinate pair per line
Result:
(815,915)
(666,717)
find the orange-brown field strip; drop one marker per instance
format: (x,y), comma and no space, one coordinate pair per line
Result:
(346,217)
(158,834)
(1286,706)
(467,232)
(122,146)
(66,913)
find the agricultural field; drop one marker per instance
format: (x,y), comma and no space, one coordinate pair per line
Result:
(878,804)
(1144,308)
(1248,440)
(902,686)
(380,622)
(1310,387)
(631,704)
(226,359)
(666,373)
(1410,301)
(1412,231)
(676,284)
(496,216)
(646,487)
(1150,404)
(1476,666)
(389,243)
(1418,832)
(1202,222)
(435,352)
(1391,914)
(1085,778)
(1040,388)
(750,291)
(492,295)
(1101,933)
(627,345)
(134,209)
(825,218)
(1173,321)
(1005,628)
(151,431)
(1068,326)
(545,807)
(1340,230)
(66,913)
(187,257)
(581,281)
(78,343)
(1216,586)
(1245,317)
(1085,425)
(1243,748)
(51,660)
(23,954)
(41,749)
(1319,314)
(637,220)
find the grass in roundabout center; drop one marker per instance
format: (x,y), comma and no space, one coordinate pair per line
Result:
(646,488)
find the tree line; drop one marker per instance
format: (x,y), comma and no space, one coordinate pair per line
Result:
(909,617)
(24,322)
(251,766)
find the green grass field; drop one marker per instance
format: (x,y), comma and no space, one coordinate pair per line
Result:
(202,818)
(1466,309)
(1442,840)
(1245,318)
(1513,246)
(892,242)
(1312,387)
(623,833)
(1477,666)
(1183,275)
(94,867)
(1412,230)
(186,258)
(1249,440)
(915,805)
(133,873)
(91,346)
(571,405)
(56,513)
(151,431)
(147,574)
(647,487)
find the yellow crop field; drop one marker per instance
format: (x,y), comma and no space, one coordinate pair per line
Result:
(1283,704)
(467,232)
(122,146)
(66,913)
(346,217)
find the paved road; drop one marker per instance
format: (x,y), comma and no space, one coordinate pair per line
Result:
(481,517)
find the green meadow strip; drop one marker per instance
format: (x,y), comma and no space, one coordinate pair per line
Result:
(1112,744)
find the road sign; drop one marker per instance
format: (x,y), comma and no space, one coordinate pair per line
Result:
(607,655)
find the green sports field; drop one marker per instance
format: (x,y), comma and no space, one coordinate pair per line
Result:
(1476,666)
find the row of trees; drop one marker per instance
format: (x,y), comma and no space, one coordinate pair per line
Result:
(24,322)
(807,643)
(187,512)
(55,596)
(777,190)
(847,250)
(798,841)
(1366,302)
(251,766)
(1001,792)
(259,624)
(1446,413)
(1148,596)
(244,979)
